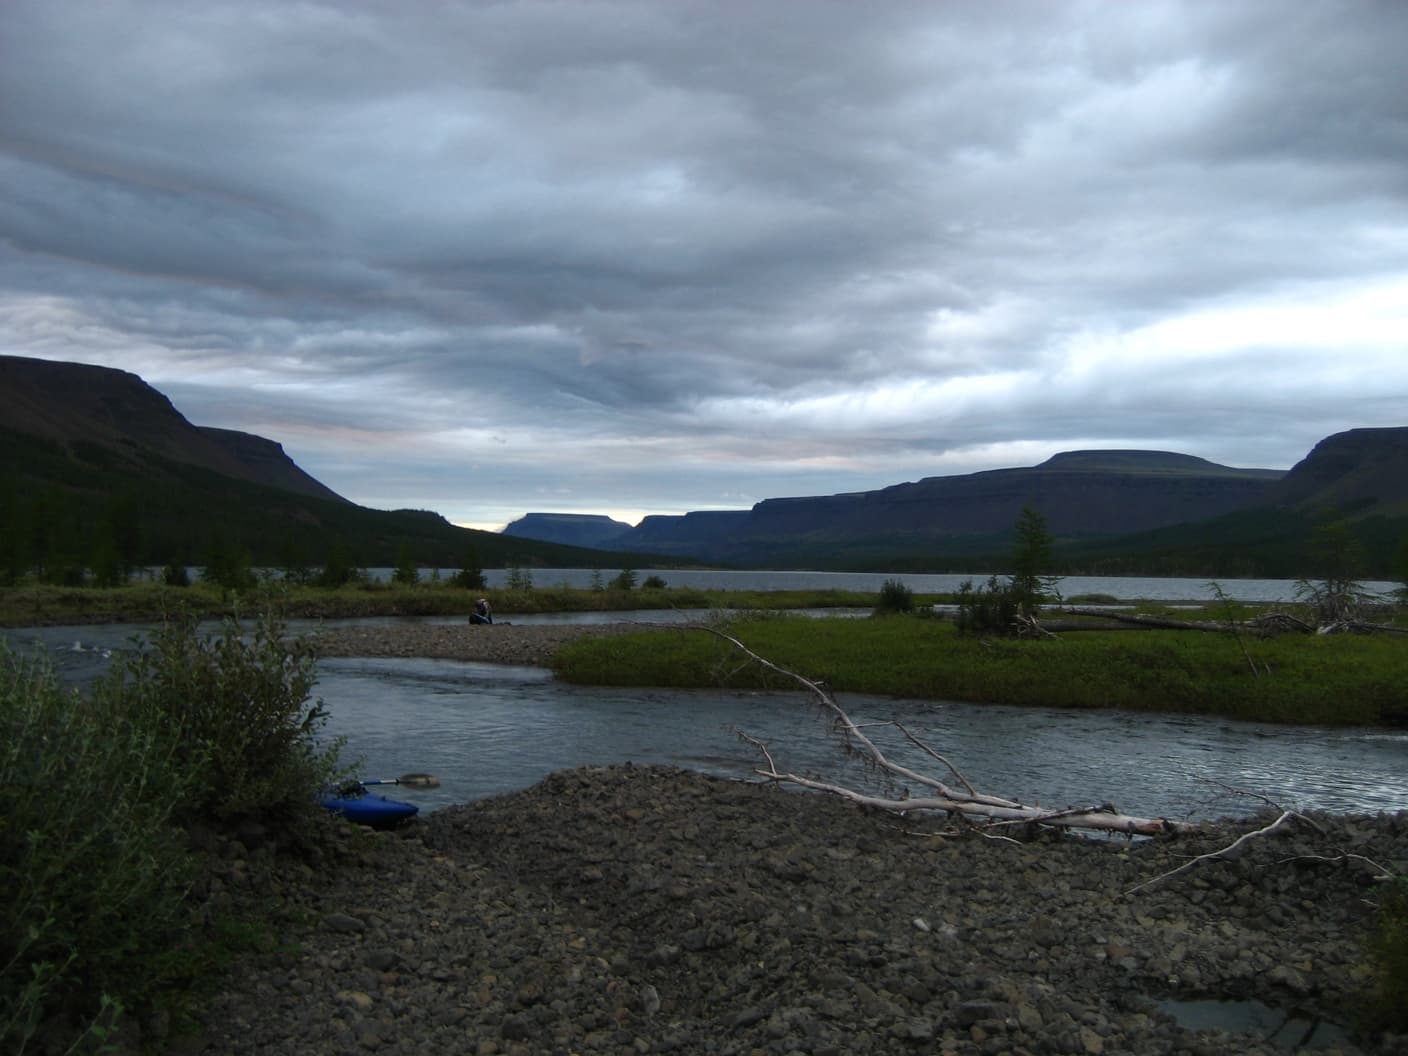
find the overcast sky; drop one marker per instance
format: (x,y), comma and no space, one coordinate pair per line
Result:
(658,256)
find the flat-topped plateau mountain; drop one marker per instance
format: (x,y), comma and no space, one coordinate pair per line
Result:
(1115,510)
(1082,494)
(94,458)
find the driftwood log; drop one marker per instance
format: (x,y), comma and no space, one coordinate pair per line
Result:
(1265,625)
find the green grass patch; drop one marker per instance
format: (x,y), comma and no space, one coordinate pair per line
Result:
(1341,679)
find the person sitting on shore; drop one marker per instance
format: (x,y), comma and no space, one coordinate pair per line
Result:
(481,613)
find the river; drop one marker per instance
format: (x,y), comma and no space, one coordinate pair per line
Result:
(486,729)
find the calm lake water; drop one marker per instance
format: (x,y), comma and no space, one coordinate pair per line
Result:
(1123,587)
(486,729)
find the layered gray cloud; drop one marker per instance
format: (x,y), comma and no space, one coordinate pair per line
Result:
(631,257)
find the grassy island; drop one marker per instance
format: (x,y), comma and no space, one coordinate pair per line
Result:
(1293,678)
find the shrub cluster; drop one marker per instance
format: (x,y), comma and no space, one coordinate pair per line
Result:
(95,790)
(894,597)
(239,711)
(989,609)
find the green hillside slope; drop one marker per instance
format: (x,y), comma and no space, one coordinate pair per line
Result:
(67,504)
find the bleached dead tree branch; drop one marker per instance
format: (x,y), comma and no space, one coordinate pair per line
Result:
(1230,853)
(966,802)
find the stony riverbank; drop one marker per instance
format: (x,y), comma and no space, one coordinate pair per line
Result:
(649,910)
(500,643)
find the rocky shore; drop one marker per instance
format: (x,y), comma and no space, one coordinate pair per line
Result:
(651,910)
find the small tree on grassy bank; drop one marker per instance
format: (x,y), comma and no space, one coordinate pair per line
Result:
(1337,596)
(1031,582)
(471,573)
(228,564)
(405,572)
(1011,607)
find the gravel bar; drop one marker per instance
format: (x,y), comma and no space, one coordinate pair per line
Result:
(500,643)
(635,910)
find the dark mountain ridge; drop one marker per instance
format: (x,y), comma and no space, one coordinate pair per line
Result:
(94,457)
(74,404)
(1112,511)
(1360,472)
(265,462)
(93,453)
(1081,494)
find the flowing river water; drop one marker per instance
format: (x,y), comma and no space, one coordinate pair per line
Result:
(486,729)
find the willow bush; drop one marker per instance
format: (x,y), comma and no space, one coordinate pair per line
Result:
(238,708)
(92,870)
(96,791)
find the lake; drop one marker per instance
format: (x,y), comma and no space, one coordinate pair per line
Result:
(1128,588)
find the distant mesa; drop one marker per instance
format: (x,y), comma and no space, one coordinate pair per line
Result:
(1085,496)
(1082,494)
(573,529)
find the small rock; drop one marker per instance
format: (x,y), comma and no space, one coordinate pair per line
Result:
(748,1016)
(1285,975)
(1029,1018)
(381,960)
(357,999)
(343,922)
(970,1012)
(915,1030)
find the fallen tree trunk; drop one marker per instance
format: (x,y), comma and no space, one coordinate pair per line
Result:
(1159,622)
(986,813)
(1270,623)
(965,802)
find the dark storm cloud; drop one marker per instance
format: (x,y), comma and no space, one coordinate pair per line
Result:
(629,256)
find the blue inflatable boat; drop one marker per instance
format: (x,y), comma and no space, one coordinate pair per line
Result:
(356,804)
